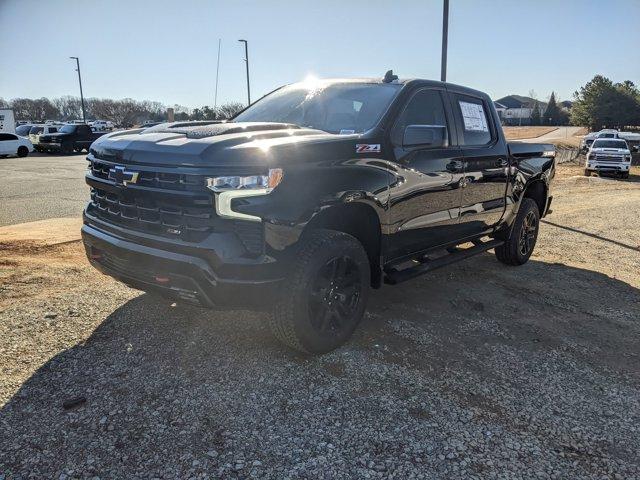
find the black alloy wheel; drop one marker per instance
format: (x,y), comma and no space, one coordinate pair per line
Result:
(528,234)
(335,295)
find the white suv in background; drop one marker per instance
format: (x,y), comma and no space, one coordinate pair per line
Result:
(37,130)
(608,155)
(101,125)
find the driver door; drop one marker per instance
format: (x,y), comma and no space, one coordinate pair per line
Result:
(424,208)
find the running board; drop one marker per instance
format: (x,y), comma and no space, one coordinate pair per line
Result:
(394,276)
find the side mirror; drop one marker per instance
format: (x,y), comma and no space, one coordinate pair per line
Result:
(425,136)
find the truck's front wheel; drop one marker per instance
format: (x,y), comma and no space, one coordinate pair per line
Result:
(325,296)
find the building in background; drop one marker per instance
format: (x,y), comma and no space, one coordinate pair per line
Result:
(517,109)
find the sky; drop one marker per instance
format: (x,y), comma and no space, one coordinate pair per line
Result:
(166,50)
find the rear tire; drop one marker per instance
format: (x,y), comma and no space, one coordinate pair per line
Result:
(324,297)
(520,244)
(23,151)
(67,148)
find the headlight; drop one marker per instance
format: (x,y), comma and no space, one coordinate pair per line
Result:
(251,182)
(228,188)
(627,158)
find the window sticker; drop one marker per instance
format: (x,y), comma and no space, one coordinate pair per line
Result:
(474,117)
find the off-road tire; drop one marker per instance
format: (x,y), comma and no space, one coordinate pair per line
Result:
(625,175)
(587,173)
(510,252)
(292,321)
(22,151)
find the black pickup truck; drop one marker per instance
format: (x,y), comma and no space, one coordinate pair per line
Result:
(311,197)
(70,138)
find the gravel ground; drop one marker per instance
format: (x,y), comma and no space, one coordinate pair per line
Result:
(474,371)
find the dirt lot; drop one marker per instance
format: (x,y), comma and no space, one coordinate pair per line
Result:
(517,133)
(475,371)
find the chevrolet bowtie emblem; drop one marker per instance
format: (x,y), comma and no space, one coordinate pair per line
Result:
(122,176)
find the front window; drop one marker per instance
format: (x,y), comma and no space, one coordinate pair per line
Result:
(342,108)
(610,144)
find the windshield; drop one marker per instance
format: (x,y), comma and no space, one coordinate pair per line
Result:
(36,130)
(610,144)
(68,129)
(333,107)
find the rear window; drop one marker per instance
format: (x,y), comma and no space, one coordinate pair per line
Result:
(473,120)
(609,144)
(23,130)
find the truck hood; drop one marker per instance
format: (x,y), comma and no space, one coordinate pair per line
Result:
(223,144)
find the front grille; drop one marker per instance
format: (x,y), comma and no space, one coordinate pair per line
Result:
(610,158)
(164,180)
(179,207)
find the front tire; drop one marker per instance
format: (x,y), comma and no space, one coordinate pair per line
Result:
(324,298)
(520,244)
(587,173)
(67,148)
(23,151)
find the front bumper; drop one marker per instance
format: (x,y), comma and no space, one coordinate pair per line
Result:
(195,275)
(608,166)
(48,147)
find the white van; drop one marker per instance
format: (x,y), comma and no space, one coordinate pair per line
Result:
(7,120)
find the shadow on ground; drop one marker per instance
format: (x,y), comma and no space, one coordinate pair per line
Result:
(173,392)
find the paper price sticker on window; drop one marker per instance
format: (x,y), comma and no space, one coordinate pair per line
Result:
(474,118)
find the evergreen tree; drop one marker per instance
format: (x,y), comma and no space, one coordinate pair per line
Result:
(552,112)
(535,114)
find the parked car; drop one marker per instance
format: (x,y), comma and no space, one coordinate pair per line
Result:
(69,138)
(101,126)
(37,131)
(12,144)
(312,196)
(608,155)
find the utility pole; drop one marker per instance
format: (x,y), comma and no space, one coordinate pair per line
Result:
(215,99)
(84,116)
(445,36)
(246,59)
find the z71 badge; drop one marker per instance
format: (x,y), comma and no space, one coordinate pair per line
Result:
(368,148)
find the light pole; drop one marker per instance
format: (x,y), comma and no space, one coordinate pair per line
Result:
(445,36)
(84,116)
(246,59)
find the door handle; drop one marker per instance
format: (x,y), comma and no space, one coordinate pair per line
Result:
(455,166)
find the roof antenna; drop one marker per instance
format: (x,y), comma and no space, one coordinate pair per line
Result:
(389,77)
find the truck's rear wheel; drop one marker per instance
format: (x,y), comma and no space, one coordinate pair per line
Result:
(520,244)
(67,148)
(325,296)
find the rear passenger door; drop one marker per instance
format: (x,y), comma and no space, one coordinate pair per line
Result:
(425,200)
(485,164)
